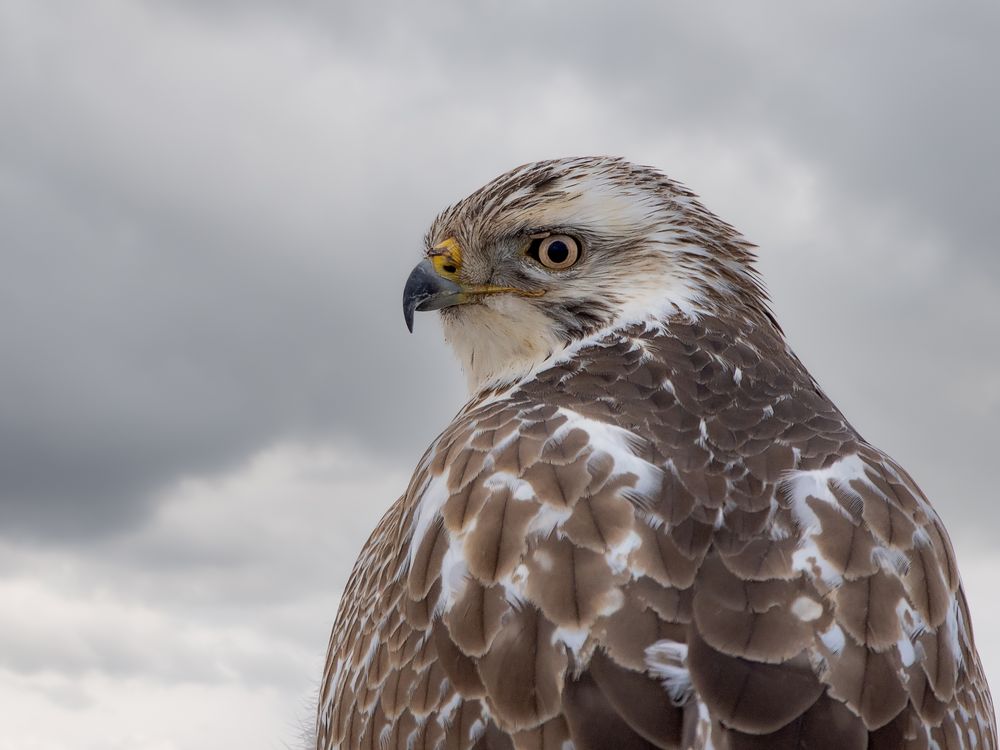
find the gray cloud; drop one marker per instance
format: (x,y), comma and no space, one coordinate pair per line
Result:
(197,270)
(208,209)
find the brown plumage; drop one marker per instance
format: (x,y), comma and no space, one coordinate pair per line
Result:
(658,532)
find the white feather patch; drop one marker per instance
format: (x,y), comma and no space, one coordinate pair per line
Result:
(799,487)
(667,660)
(618,443)
(432,498)
(807,609)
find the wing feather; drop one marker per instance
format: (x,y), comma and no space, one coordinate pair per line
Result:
(640,549)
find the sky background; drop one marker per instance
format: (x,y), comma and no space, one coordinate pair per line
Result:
(207,213)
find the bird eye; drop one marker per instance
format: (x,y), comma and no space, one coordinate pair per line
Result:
(556,252)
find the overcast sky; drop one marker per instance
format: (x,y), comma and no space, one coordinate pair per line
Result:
(208,210)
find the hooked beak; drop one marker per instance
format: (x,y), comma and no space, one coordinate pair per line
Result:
(426,290)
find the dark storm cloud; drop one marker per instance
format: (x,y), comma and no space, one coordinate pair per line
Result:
(208,209)
(148,348)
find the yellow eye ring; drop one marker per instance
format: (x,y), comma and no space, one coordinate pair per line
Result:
(556,252)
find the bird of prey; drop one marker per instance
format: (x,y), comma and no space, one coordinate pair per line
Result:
(648,527)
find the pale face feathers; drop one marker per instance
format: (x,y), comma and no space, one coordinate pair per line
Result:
(648,249)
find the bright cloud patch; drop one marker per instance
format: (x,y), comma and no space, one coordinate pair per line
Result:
(203,629)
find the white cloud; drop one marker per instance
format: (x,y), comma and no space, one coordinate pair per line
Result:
(51,712)
(206,627)
(979,577)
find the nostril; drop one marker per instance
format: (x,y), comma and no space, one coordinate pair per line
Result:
(449,269)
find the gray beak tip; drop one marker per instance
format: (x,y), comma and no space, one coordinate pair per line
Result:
(425,290)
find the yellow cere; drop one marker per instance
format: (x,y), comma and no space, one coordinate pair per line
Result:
(447,257)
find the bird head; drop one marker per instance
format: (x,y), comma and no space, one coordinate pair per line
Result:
(552,252)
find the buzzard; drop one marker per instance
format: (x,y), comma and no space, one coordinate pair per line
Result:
(648,527)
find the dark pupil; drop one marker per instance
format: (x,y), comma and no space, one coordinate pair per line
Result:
(558,252)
